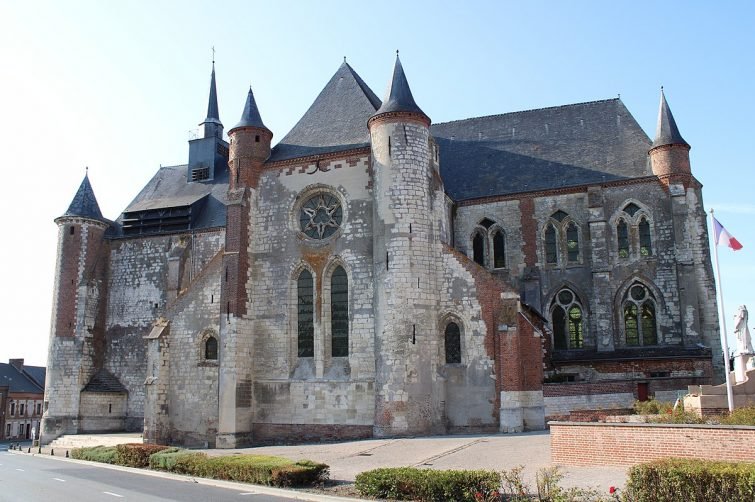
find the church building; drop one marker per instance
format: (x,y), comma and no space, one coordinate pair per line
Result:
(374,274)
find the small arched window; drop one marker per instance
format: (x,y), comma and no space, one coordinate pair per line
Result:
(478,248)
(567,321)
(211,349)
(305,311)
(640,327)
(339,313)
(453,343)
(551,245)
(499,250)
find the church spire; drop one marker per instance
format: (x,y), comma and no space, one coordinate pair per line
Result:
(84,203)
(666,132)
(250,117)
(398,98)
(212,124)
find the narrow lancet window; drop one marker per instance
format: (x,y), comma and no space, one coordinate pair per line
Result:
(499,250)
(645,246)
(453,343)
(339,313)
(478,249)
(572,242)
(622,232)
(305,324)
(211,349)
(551,247)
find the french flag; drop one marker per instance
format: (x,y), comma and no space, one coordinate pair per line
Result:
(721,236)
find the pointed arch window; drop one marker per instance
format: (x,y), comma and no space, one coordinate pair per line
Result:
(305,311)
(568,322)
(639,311)
(211,349)
(572,242)
(339,313)
(622,232)
(478,248)
(499,249)
(561,240)
(646,248)
(551,245)
(633,233)
(453,343)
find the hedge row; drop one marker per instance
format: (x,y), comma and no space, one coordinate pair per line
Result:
(256,469)
(408,483)
(683,480)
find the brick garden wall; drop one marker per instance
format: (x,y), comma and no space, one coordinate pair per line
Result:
(596,444)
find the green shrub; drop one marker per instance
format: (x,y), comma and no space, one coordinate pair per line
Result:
(258,469)
(678,416)
(136,454)
(740,416)
(408,483)
(104,454)
(681,480)
(652,407)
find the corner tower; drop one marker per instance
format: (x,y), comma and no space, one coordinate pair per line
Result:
(250,148)
(79,275)
(669,154)
(405,258)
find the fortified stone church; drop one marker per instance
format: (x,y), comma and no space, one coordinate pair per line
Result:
(373,274)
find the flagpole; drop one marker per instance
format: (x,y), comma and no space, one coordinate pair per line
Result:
(724,343)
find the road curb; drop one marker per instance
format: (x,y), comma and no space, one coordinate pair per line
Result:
(244,487)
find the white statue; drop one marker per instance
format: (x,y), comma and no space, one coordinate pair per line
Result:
(744,342)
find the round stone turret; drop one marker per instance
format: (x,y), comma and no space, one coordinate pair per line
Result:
(250,146)
(669,154)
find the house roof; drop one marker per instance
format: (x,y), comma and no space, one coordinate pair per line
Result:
(541,149)
(18,381)
(336,121)
(169,188)
(104,381)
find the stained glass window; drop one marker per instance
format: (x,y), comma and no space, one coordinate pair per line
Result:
(305,325)
(321,216)
(453,343)
(499,250)
(339,313)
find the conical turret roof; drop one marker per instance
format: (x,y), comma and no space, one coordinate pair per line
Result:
(213,115)
(250,117)
(666,132)
(84,203)
(399,97)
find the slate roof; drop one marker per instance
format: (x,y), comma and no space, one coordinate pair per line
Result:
(250,117)
(541,149)
(398,97)
(104,381)
(336,121)
(666,132)
(84,203)
(17,381)
(169,188)
(213,115)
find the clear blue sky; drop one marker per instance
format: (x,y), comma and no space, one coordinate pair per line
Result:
(117,86)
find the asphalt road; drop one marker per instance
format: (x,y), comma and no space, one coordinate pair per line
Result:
(37,478)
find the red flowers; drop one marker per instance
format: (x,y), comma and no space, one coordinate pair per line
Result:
(612,490)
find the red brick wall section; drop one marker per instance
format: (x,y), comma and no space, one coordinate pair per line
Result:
(68,276)
(592,444)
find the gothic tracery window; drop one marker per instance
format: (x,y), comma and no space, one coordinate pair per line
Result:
(305,317)
(638,308)
(561,240)
(478,248)
(452,343)
(633,233)
(339,313)
(320,216)
(567,320)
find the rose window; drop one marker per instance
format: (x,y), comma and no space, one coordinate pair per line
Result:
(321,216)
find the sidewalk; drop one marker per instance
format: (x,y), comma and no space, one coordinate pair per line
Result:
(496,452)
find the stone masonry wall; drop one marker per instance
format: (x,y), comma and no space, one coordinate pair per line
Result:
(319,391)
